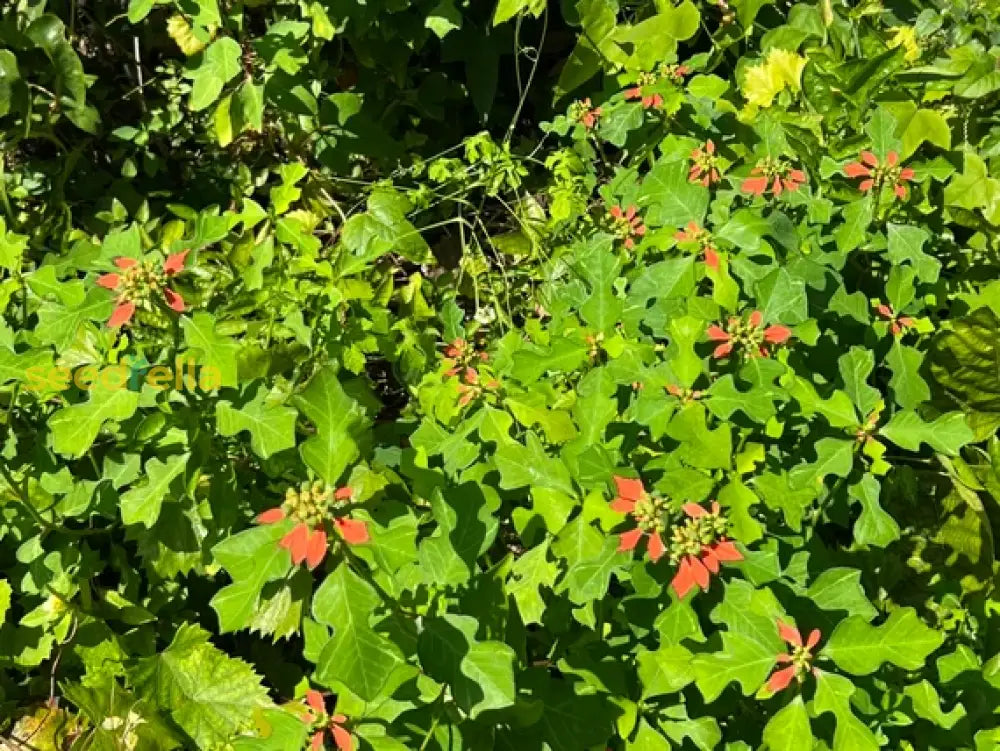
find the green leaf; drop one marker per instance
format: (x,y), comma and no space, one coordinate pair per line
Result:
(655,39)
(789,729)
(339,422)
(141,504)
(528,575)
(782,298)
(210,695)
(60,325)
(908,388)
(906,243)
(875,526)
(925,125)
(840,589)
(599,267)
(947,433)
(219,63)
(749,645)
(253,558)
(834,456)
(443,19)
(965,359)
(5,592)
(209,348)
(903,640)
(383,228)
(670,198)
(355,655)
(530,466)
(480,673)
(700,446)
(854,230)
(665,671)
(75,428)
(833,694)
(855,368)
(507,9)
(927,705)
(588,579)
(270,423)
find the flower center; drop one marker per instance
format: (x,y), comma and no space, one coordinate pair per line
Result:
(648,513)
(141,283)
(311,503)
(694,534)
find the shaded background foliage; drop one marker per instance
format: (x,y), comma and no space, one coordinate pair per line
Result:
(359,185)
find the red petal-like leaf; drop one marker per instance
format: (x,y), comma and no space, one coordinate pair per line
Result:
(629,488)
(885,311)
(865,185)
(316,548)
(354,531)
(109,281)
(869,158)
(682,581)
(317,741)
(906,173)
(699,573)
(628,540)
(694,510)
(297,542)
(892,158)
(175,262)
(616,212)
(725,551)
(710,146)
(755,185)
(174,301)
(655,547)
(900,192)
(711,259)
(315,700)
(342,494)
(814,637)
(777,186)
(121,315)
(856,169)
(125,263)
(797,175)
(271,516)
(341,738)
(777,334)
(623,505)
(790,634)
(710,560)
(717,334)
(722,350)
(756,318)
(781,678)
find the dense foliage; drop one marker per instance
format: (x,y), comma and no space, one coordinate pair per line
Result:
(455,375)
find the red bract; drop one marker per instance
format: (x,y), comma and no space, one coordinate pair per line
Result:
(627,224)
(459,361)
(702,238)
(897,324)
(748,336)
(323,723)
(685,395)
(586,114)
(141,286)
(799,660)
(705,169)
(647,511)
(877,173)
(699,547)
(311,507)
(775,175)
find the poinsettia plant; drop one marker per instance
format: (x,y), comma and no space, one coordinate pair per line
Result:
(583,375)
